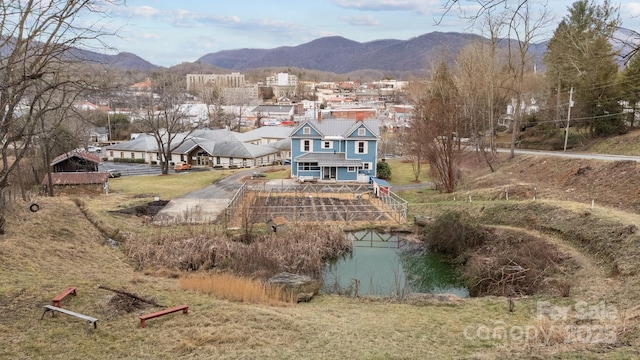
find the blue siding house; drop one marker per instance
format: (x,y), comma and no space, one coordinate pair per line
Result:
(337,150)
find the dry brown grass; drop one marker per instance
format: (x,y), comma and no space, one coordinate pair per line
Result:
(234,288)
(298,250)
(56,247)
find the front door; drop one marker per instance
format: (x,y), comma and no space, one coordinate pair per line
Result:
(328,173)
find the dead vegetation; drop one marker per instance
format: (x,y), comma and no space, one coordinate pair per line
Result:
(517,264)
(298,250)
(495,261)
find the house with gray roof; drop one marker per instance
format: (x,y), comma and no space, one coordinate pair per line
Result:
(217,148)
(335,150)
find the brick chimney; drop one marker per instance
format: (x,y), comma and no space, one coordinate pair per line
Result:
(319,116)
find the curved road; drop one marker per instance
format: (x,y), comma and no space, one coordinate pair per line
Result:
(572,155)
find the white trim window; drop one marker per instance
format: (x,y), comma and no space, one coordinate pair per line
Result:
(366,166)
(362,132)
(306,130)
(361,147)
(351,169)
(327,144)
(306,145)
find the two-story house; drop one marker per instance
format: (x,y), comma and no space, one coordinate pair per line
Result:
(334,150)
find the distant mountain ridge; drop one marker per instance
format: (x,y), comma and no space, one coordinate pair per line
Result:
(123,60)
(333,54)
(340,55)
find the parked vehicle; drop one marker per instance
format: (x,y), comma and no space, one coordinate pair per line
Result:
(114,173)
(182,166)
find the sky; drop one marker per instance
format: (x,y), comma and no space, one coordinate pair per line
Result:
(170,32)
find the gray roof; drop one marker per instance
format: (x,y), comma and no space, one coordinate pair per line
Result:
(284,144)
(143,143)
(217,142)
(328,159)
(266,132)
(273,109)
(237,149)
(341,127)
(216,134)
(191,143)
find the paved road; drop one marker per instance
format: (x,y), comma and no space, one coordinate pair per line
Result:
(573,155)
(204,205)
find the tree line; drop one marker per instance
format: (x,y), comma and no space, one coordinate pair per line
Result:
(583,89)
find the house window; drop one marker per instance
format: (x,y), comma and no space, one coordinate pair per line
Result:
(121,155)
(217,160)
(306,130)
(362,132)
(351,169)
(308,166)
(327,144)
(111,153)
(230,161)
(361,147)
(158,156)
(133,155)
(306,146)
(366,166)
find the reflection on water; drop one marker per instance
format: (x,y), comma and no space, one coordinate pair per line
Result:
(383,264)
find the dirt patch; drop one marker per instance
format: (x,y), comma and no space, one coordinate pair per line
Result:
(148,209)
(611,184)
(321,208)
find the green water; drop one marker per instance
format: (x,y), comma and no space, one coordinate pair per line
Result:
(384,265)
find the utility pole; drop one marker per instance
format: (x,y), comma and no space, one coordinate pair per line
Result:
(109,125)
(566,133)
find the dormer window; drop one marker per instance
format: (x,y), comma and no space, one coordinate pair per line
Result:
(362,132)
(306,130)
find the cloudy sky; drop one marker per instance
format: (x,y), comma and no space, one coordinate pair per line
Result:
(169,32)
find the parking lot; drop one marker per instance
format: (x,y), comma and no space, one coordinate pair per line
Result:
(127,169)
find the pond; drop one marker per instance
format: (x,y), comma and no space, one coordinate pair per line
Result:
(383,264)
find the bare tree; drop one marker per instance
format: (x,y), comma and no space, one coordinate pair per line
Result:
(214,101)
(413,140)
(524,28)
(239,98)
(37,39)
(165,115)
(438,119)
(59,127)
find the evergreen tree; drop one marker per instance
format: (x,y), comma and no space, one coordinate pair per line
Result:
(630,87)
(580,55)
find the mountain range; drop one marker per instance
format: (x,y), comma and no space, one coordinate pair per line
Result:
(340,55)
(331,54)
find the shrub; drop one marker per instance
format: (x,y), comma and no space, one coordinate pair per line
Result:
(514,264)
(383,170)
(453,233)
(129,160)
